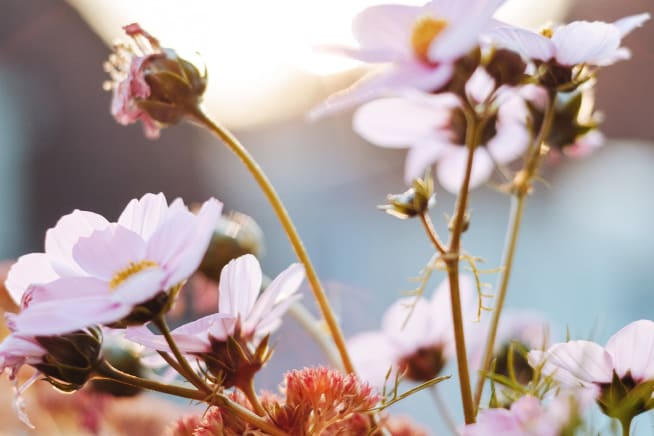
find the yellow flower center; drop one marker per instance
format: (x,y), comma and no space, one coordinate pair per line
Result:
(131,269)
(547,32)
(424,32)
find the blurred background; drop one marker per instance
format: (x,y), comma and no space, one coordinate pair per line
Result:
(585,254)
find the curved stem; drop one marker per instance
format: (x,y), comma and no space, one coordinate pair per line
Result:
(273,198)
(626,426)
(452,261)
(431,232)
(517,209)
(521,188)
(108,372)
(251,394)
(187,372)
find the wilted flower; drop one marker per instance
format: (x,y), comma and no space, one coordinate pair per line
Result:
(433,127)
(150,83)
(622,371)
(110,273)
(578,43)
(422,45)
(528,416)
(421,347)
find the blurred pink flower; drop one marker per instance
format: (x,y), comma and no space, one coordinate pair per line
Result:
(433,127)
(102,270)
(239,302)
(421,347)
(628,353)
(529,416)
(581,42)
(421,44)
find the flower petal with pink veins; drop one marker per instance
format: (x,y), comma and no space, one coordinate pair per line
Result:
(575,362)
(385,27)
(395,122)
(107,252)
(585,42)
(372,356)
(60,239)
(143,216)
(33,268)
(632,349)
(240,283)
(451,169)
(67,288)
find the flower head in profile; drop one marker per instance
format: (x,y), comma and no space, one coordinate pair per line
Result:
(421,347)
(580,43)
(433,128)
(118,273)
(150,83)
(420,46)
(622,372)
(529,416)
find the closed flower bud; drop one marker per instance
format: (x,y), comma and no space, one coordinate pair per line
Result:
(235,235)
(413,202)
(70,359)
(122,355)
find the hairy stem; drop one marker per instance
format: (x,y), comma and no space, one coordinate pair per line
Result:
(273,198)
(521,188)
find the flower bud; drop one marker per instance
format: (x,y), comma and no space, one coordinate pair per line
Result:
(423,365)
(413,202)
(151,83)
(70,359)
(506,67)
(624,398)
(235,234)
(122,355)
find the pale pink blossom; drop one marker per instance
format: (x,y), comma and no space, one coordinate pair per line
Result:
(239,304)
(419,44)
(100,270)
(628,353)
(426,340)
(528,416)
(433,128)
(581,42)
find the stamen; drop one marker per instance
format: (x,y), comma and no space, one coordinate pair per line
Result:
(424,32)
(131,269)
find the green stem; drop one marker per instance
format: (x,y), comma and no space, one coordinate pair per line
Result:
(431,232)
(521,188)
(452,261)
(626,426)
(108,372)
(273,198)
(187,371)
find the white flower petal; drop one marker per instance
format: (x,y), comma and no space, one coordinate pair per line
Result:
(386,27)
(632,349)
(372,356)
(424,154)
(451,169)
(140,287)
(627,24)
(30,269)
(240,283)
(528,44)
(575,362)
(143,216)
(585,42)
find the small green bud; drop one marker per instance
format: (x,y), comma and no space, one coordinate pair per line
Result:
(413,202)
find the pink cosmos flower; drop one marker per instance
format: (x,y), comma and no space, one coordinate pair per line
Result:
(420,44)
(433,127)
(628,354)
(422,347)
(528,416)
(581,42)
(101,271)
(239,303)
